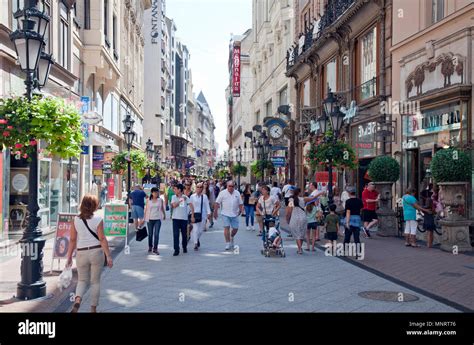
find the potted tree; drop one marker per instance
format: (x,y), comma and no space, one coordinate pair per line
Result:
(451,170)
(384,172)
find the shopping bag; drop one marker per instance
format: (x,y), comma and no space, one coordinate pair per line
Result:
(142,233)
(65,278)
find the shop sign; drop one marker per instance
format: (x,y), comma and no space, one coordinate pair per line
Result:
(236,70)
(411,144)
(84,150)
(446,118)
(115,220)
(107,168)
(365,139)
(154,22)
(349,113)
(322,180)
(278,161)
(111,189)
(63,235)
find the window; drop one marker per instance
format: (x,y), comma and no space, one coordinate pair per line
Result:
(114,36)
(106,22)
(78,70)
(331,76)
(368,61)
(63,36)
(306,93)
(16,5)
(284,96)
(87,14)
(46,8)
(257,117)
(268,108)
(437,10)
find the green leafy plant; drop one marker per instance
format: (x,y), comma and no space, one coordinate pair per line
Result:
(257,166)
(24,123)
(451,165)
(222,173)
(321,152)
(384,169)
(239,169)
(139,163)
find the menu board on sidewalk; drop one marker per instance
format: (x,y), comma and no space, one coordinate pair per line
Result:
(116,220)
(63,235)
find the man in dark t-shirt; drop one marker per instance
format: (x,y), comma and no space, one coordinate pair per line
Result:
(137,205)
(353,220)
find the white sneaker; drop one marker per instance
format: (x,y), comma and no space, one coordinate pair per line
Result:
(248,228)
(227,246)
(253,228)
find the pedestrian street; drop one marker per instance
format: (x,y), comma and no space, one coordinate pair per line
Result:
(243,280)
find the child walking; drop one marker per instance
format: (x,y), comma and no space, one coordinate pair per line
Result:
(311,212)
(332,224)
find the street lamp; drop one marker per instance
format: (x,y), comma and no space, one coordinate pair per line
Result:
(149,153)
(239,160)
(29,43)
(129,136)
(333,114)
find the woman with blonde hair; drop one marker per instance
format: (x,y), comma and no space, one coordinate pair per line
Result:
(87,234)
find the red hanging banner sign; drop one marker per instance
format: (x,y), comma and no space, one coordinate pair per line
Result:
(236,71)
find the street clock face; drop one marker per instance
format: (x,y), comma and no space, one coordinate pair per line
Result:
(276,131)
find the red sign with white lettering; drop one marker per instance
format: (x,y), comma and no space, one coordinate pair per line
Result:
(111,189)
(236,71)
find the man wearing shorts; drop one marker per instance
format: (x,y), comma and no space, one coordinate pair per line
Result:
(137,204)
(410,205)
(232,207)
(369,216)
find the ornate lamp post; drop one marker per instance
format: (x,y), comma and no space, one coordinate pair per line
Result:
(239,160)
(149,153)
(29,44)
(129,136)
(336,118)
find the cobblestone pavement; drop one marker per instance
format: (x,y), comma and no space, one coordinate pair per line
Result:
(213,280)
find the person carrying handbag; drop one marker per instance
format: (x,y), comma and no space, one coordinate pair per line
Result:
(154,214)
(87,234)
(200,202)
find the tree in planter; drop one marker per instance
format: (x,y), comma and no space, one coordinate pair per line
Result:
(384,172)
(139,163)
(24,123)
(451,169)
(384,169)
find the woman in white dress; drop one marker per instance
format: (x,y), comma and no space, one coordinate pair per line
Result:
(200,202)
(296,218)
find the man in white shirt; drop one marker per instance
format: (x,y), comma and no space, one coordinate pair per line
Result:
(275,191)
(314,193)
(232,207)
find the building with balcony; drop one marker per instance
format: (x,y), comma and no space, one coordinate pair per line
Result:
(344,46)
(272,33)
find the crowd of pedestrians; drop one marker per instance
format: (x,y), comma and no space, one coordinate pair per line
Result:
(193,206)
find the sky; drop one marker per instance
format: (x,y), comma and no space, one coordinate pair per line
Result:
(205,27)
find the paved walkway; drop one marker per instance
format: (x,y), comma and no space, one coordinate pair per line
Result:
(213,280)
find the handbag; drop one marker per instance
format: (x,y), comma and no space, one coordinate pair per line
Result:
(141,234)
(97,237)
(198,216)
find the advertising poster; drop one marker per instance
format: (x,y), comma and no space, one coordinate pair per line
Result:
(63,235)
(322,179)
(116,220)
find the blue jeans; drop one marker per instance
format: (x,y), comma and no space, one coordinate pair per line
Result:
(154,227)
(249,214)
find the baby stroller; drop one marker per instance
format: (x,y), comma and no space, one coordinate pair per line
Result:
(268,248)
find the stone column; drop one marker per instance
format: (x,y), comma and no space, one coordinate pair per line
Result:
(387,217)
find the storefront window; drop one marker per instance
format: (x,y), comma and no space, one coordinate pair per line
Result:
(44,193)
(70,187)
(56,191)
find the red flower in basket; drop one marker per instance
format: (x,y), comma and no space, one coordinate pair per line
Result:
(3,122)
(18,146)
(6,134)
(33,142)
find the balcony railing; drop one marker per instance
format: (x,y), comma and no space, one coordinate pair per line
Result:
(366,90)
(333,10)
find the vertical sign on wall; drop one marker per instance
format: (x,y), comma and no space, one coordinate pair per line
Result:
(236,70)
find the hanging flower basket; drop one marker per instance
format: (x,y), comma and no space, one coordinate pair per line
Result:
(24,123)
(139,163)
(340,153)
